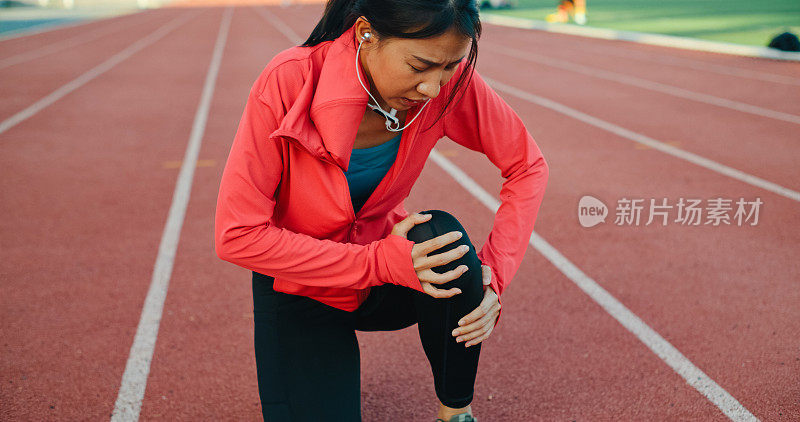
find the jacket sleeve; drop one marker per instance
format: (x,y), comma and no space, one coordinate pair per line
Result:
(482,121)
(245,236)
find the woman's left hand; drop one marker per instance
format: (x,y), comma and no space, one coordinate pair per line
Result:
(479,323)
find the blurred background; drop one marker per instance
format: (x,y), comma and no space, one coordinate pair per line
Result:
(20,16)
(736,21)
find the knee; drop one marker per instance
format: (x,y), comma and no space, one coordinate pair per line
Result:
(442,222)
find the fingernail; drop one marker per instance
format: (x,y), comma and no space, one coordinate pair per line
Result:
(461,322)
(459,234)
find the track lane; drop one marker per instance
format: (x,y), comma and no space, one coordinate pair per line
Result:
(21,42)
(722,308)
(204,365)
(721,135)
(68,42)
(568,46)
(87,228)
(578,362)
(25,85)
(758,98)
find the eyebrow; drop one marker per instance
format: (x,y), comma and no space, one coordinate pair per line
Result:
(433,63)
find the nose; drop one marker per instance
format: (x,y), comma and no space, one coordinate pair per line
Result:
(431,86)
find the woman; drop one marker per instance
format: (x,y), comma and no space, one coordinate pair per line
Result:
(311,201)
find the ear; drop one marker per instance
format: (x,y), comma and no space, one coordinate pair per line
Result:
(362,27)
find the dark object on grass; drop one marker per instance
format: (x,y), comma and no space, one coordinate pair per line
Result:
(786,42)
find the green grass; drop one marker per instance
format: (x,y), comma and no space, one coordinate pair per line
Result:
(752,22)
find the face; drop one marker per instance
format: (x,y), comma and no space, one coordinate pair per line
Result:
(414,69)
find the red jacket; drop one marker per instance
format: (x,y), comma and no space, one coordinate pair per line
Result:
(284,207)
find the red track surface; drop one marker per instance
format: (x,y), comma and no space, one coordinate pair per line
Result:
(88,183)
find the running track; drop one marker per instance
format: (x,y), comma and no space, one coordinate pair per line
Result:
(95,124)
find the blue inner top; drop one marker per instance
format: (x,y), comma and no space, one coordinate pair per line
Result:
(367,168)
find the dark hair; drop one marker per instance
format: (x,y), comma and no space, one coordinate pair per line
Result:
(398,18)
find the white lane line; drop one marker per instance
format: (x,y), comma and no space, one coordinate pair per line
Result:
(67,43)
(657,344)
(645,84)
(134,380)
(645,140)
(94,72)
(687,63)
(284,29)
(642,37)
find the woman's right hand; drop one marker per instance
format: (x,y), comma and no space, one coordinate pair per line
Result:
(423,263)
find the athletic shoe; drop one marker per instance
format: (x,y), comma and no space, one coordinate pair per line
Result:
(461,417)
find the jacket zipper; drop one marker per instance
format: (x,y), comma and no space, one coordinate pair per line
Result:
(362,293)
(396,163)
(353,215)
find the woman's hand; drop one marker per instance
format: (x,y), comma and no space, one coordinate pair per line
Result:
(423,263)
(478,324)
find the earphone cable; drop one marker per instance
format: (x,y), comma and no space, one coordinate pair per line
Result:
(388,122)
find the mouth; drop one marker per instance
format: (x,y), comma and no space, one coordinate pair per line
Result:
(410,102)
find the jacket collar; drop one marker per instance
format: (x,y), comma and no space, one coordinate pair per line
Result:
(334,103)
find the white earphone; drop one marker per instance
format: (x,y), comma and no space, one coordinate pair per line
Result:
(391,120)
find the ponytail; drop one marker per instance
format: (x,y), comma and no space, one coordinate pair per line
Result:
(338,17)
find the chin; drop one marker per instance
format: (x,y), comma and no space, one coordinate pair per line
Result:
(398,104)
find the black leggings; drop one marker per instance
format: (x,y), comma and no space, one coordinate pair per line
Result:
(307,356)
